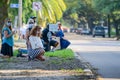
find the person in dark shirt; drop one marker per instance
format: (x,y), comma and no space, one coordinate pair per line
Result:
(47,38)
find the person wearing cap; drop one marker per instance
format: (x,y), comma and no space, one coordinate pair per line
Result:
(34,18)
(7,39)
(31,24)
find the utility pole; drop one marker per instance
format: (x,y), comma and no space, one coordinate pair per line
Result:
(109,27)
(20,14)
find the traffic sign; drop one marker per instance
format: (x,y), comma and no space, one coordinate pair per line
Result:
(37,6)
(14,5)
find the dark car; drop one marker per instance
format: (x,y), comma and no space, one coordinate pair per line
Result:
(99,31)
(73,30)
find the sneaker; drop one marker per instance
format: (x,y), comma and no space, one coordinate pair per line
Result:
(1,55)
(40,58)
(6,56)
(29,58)
(18,55)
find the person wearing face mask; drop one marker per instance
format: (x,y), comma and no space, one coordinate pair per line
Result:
(64,43)
(30,24)
(34,20)
(29,28)
(7,39)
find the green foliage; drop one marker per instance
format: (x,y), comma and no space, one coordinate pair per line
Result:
(52,10)
(56,9)
(78,12)
(12,12)
(106,6)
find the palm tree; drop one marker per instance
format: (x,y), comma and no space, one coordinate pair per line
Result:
(52,11)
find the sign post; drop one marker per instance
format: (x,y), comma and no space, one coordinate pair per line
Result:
(38,7)
(14,5)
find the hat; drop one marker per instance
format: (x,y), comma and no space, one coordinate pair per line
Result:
(33,17)
(58,23)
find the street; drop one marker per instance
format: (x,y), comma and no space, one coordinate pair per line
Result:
(102,53)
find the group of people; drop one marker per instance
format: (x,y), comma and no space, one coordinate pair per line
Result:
(32,32)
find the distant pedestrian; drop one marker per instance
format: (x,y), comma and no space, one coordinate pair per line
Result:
(7,39)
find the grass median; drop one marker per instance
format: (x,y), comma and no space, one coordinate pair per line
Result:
(65,53)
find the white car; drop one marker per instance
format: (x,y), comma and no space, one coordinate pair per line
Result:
(85,31)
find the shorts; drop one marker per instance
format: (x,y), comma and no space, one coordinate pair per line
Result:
(53,43)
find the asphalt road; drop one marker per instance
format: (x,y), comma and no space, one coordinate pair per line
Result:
(102,53)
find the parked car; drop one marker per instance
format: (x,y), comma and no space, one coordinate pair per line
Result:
(85,31)
(99,31)
(78,31)
(73,30)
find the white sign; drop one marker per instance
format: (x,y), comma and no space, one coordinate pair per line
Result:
(15,22)
(53,27)
(14,5)
(37,6)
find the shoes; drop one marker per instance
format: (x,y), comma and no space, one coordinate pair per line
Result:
(40,58)
(1,55)
(29,58)
(52,50)
(5,56)
(20,55)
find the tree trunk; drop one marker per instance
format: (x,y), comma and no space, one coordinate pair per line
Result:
(3,12)
(109,28)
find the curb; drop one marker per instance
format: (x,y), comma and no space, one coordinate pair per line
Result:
(89,70)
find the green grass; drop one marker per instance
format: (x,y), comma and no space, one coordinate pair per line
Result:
(65,53)
(15,52)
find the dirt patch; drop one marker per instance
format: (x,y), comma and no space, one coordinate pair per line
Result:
(52,68)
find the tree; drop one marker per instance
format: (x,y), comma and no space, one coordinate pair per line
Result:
(51,12)
(111,9)
(83,13)
(4,4)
